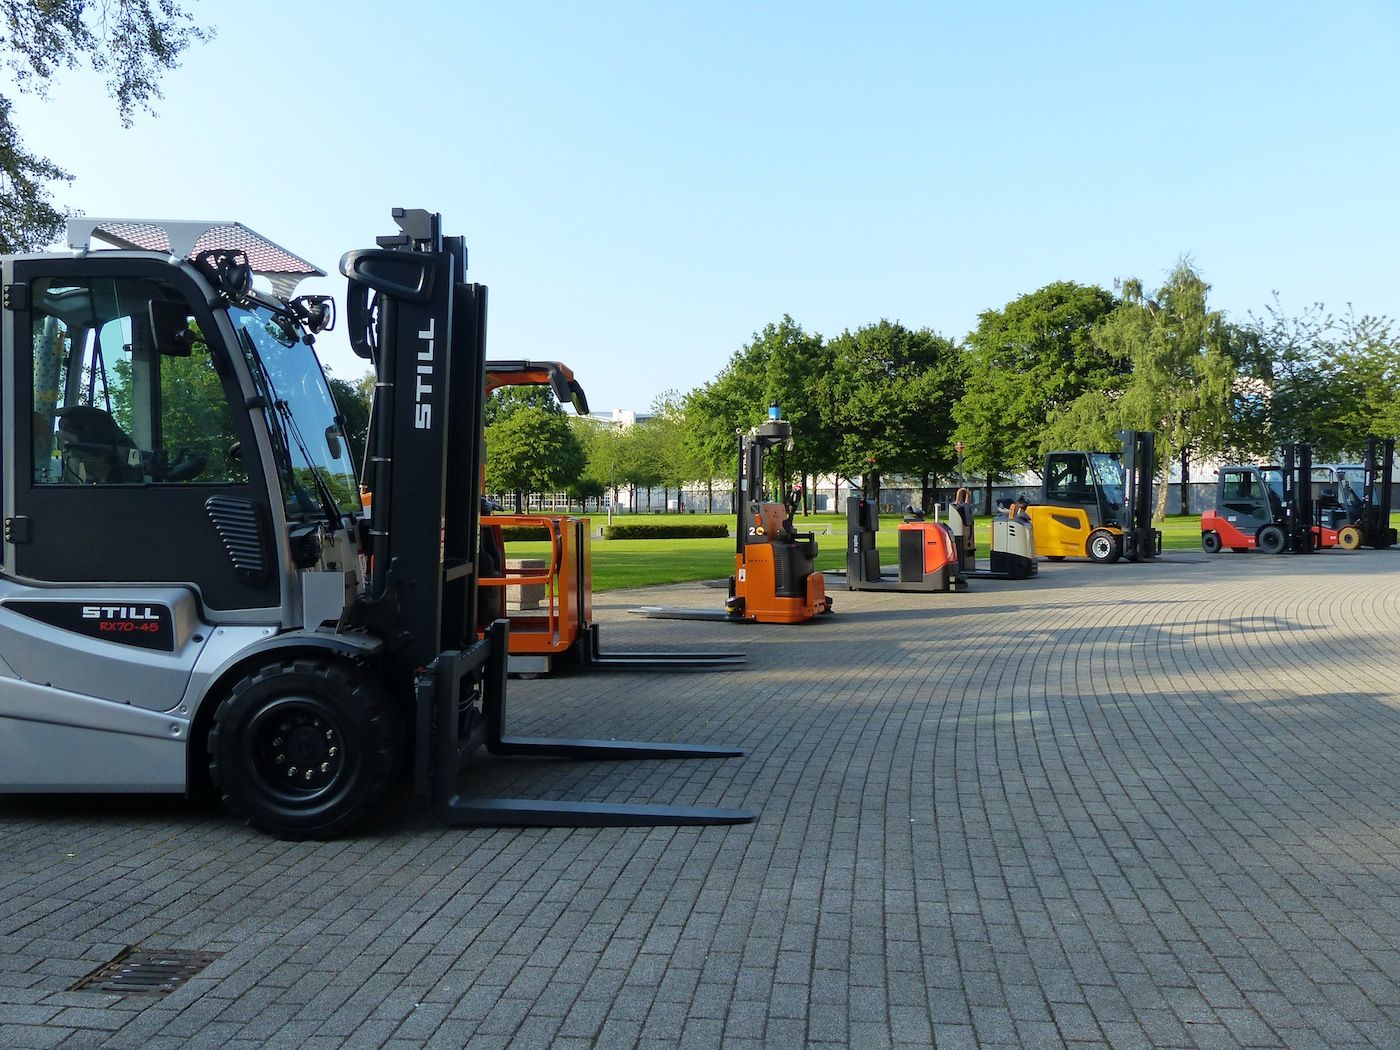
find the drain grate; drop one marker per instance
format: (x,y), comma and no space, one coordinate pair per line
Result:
(146,971)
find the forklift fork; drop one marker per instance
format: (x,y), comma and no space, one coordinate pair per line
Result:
(445,693)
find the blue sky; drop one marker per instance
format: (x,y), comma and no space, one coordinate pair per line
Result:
(644,186)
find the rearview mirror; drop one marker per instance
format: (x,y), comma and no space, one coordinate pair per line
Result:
(170,328)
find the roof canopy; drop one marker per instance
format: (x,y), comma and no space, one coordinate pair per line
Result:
(185,239)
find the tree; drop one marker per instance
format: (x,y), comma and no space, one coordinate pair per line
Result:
(353,406)
(782,364)
(1182,379)
(602,452)
(131,42)
(678,459)
(506,400)
(531,450)
(1365,361)
(1029,359)
(887,402)
(1289,370)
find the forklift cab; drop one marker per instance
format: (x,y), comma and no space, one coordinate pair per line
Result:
(1091,480)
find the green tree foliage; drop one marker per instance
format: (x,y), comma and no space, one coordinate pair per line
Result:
(130,42)
(508,399)
(1366,357)
(1033,357)
(531,450)
(602,453)
(638,463)
(678,460)
(887,401)
(354,406)
(1182,375)
(1290,388)
(783,364)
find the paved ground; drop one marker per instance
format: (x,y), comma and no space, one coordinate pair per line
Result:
(1123,806)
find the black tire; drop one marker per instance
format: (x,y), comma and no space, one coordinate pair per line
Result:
(1054,557)
(1103,547)
(1210,542)
(1271,539)
(327,725)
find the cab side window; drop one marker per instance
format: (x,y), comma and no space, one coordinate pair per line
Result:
(1066,479)
(108,407)
(1239,485)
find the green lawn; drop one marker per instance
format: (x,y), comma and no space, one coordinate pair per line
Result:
(620,564)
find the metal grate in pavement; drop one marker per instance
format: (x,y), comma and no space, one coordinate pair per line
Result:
(146,971)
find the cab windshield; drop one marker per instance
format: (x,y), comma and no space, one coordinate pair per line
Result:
(300,412)
(1108,472)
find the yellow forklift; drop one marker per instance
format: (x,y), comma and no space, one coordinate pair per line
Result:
(1098,505)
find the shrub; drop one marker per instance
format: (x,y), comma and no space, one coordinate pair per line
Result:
(667,531)
(521,533)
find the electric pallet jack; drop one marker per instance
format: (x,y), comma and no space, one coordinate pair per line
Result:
(562,631)
(1012,551)
(928,554)
(775,578)
(1098,505)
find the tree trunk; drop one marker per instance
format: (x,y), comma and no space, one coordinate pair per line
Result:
(518,496)
(926,494)
(989,510)
(1160,509)
(836,498)
(1185,483)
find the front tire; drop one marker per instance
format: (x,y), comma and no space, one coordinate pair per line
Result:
(1271,539)
(1349,537)
(1210,542)
(1102,547)
(303,748)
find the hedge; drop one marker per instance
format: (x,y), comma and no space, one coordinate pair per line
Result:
(667,531)
(520,533)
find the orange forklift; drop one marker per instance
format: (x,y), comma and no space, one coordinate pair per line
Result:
(775,567)
(562,631)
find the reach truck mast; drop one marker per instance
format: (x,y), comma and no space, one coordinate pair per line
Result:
(775,576)
(188,589)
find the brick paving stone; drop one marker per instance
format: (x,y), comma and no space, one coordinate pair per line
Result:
(1145,805)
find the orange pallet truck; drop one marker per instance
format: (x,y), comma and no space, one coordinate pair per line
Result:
(561,630)
(775,576)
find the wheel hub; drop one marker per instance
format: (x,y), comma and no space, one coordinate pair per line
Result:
(298,749)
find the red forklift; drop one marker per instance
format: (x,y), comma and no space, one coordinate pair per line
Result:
(1362,493)
(1272,509)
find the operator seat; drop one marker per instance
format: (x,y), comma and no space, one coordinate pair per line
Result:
(94,450)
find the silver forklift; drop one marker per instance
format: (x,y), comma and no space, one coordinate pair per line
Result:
(190,592)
